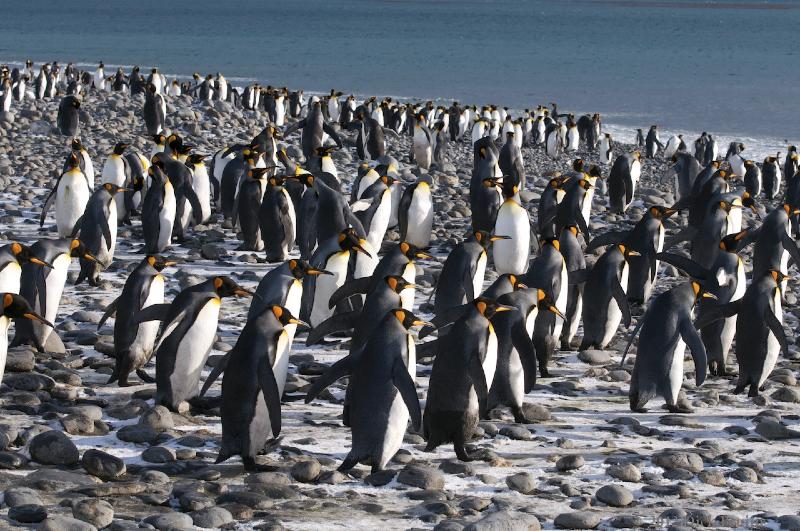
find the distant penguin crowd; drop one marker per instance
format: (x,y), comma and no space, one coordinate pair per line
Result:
(336,273)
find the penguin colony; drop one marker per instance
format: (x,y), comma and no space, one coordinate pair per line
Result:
(347,250)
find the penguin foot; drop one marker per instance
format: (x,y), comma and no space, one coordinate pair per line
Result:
(461,453)
(565,346)
(679,409)
(738,390)
(544,373)
(146,378)
(639,410)
(753,391)
(250,465)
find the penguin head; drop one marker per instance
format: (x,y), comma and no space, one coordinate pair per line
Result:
(284,316)
(156,172)
(388,180)
(544,302)
(626,251)
(73,162)
(790,210)
(159,139)
(552,242)
(151,88)
(76,103)
(485,238)
(301,269)
(137,183)
(257,173)
(578,165)
(159,263)
(397,283)
(730,243)
(349,241)
(77,249)
(407,319)
(778,276)
(748,201)
(700,292)
(661,212)
(413,252)
(195,159)
(23,254)
(489,307)
(225,287)
(727,206)
(16,307)
(113,189)
(492,182)
(585,184)
(515,281)
(76,144)
(120,147)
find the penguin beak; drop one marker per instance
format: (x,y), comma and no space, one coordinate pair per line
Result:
(420,322)
(241,292)
(634,253)
(503,308)
(557,312)
(298,322)
(90,257)
(360,249)
(36,261)
(670,211)
(423,254)
(313,271)
(495,238)
(36,317)
(410,286)
(707,295)
(168,263)
(520,285)
(121,189)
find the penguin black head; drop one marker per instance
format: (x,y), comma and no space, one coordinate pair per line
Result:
(120,147)
(349,240)
(156,162)
(159,263)
(727,206)
(790,210)
(77,249)
(257,173)
(151,88)
(24,254)
(15,307)
(76,144)
(486,239)
(226,287)
(778,276)
(113,189)
(159,139)
(585,184)
(491,182)
(277,180)
(661,212)
(730,243)
(284,316)
(388,180)
(412,252)
(545,303)
(626,251)
(195,159)
(700,292)
(73,161)
(515,282)
(76,103)
(552,242)
(748,201)
(300,269)
(489,307)
(408,319)
(397,283)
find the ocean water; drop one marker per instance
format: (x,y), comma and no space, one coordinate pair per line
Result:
(728,67)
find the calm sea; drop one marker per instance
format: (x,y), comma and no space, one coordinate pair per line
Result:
(730,67)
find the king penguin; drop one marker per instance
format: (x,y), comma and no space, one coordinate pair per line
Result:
(70,194)
(14,307)
(98,232)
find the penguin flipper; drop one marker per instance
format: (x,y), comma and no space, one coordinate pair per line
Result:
(348,289)
(446,317)
(106,231)
(51,197)
(630,341)
(340,369)
(272,397)
(712,314)
(791,248)
(219,368)
(698,349)
(405,386)
(332,133)
(427,349)
(197,209)
(579,276)
(686,234)
(527,353)
(607,238)
(110,310)
(154,312)
(478,378)
(335,323)
(685,264)
(622,301)
(776,328)
(583,224)
(77,228)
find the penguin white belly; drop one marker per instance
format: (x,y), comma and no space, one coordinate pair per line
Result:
(480,272)
(773,346)
(614,315)
(280,113)
(397,195)
(5,323)
(511,256)
(329,167)
(260,429)
(516,377)
(281,365)
(552,144)
(420,217)
(71,198)
(54,284)
(784,268)
(422,148)
(292,303)
(734,221)
(327,284)
(490,360)
(586,205)
(411,362)
(604,158)
(106,253)
(572,139)
(576,319)
(396,425)
(7,101)
(193,350)
(10,277)
(636,172)
(365,265)
(737,165)
(291,231)
(676,371)
(145,339)
(166,218)
(407,295)
(366,181)
(114,173)
(202,188)
(561,300)
(380,221)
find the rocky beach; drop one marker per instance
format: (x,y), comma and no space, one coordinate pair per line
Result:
(78,454)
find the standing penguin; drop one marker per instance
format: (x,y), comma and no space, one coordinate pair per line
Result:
(201,184)
(117,171)
(771,171)
(462,374)
(647,239)
(158,212)
(622,181)
(134,342)
(606,149)
(511,255)
(188,332)
(313,128)
(14,307)
(13,257)
(255,375)
(98,232)
(461,279)
(154,111)
(752,178)
(571,250)
(68,117)
(605,300)
(422,147)
(666,330)
(415,213)
(382,395)
(277,220)
(248,204)
(652,142)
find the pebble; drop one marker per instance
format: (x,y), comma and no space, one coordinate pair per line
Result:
(27,513)
(522,482)
(53,448)
(306,471)
(628,472)
(168,521)
(421,477)
(505,521)
(65,523)
(578,520)
(99,513)
(103,465)
(595,357)
(671,460)
(211,517)
(570,462)
(614,495)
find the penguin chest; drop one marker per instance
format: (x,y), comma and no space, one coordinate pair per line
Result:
(280,367)
(259,430)
(10,278)
(734,221)
(166,218)
(145,339)
(193,350)
(328,166)
(411,360)
(561,299)
(614,313)
(202,188)
(773,346)
(327,284)
(365,265)
(106,251)
(71,198)
(489,362)
(420,217)
(407,295)
(480,272)
(511,256)
(5,323)
(676,370)
(114,170)
(380,220)
(292,303)
(54,284)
